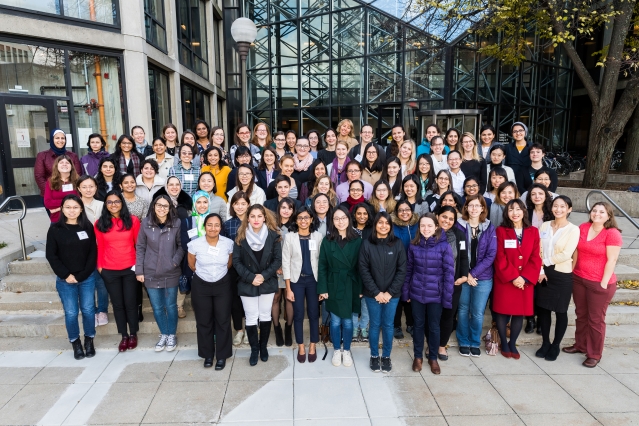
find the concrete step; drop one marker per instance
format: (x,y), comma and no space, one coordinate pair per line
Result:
(624,272)
(37,266)
(630,256)
(626,295)
(28,283)
(615,315)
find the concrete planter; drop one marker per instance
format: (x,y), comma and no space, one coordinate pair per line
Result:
(629,201)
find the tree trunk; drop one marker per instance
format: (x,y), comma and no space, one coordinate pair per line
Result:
(602,140)
(631,156)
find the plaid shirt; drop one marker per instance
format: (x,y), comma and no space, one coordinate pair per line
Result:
(231,226)
(189,185)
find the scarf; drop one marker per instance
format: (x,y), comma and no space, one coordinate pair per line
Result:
(335,171)
(424,186)
(352,202)
(57,151)
(141,148)
(302,166)
(136,163)
(174,200)
(256,240)
(199,218)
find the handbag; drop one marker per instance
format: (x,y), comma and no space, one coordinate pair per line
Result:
(492,341)
(325,334)
(184,284)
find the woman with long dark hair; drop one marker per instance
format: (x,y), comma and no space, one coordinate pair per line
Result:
(411,192)
(214,163)
(317,170)
(243,138)
(393,175)
(398,135)
(165,161)
(62,182)
(170,136)
(268,169)
(126,157)
(355,195)
(136,205)
(202,131)
(107,178)
(539,205)
(362,217)
(373,164)
(426,174)
(441,184)
(327,155)
(285,222)
(246,182)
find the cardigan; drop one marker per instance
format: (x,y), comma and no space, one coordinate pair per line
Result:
(563,248)
(221,175)
(292,255)
(338,275)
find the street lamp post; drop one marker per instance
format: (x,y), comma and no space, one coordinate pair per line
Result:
(244,32)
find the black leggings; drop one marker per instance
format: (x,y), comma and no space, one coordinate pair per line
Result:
(516,321)
(448,318)
(544,318)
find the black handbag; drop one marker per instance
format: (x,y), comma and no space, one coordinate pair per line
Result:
(325,334)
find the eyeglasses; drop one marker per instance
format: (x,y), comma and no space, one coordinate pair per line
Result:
(356,190)
(519,131)
(404,211)
(352,171)
(162,206)
(340,219)
(366,132)
(245,174)
(114,203)
(304,218)
(244,133)
(471,186)
(218,134)
(302,146)
(474,206)
(187,153)
(280,140)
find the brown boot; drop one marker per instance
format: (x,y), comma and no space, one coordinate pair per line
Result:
(434,366)
(417,364)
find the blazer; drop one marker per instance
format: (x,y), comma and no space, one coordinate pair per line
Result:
(563,249)
(338,275)
(261,178)
(292,256)
(247,266)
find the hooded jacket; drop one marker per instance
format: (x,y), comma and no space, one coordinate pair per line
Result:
(382,266)
(430,272)
(159,254)
(486,248)
(405,231)
(91,162)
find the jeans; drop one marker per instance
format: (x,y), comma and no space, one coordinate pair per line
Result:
(382,315)
(103,295)
(424,313)
(164,303)
(341,328)
(470,317)
(305,288)
(77,298)
(362,322)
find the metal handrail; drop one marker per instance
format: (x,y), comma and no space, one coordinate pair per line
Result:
(22,216)
(627,216)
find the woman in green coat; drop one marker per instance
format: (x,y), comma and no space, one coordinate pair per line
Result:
(338,282)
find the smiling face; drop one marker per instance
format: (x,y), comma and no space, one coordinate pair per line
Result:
(245,176)
(59,140)
(174,186)
(218,137)
(543,179)
(202,205)
(148,172)
(405,151)
(291,139)
(423,166)
(283,188)
(437,146)
(244,135)
(392,170)
(243,158)
(381,192)
(449,200)
(87,188)
(280,141)
(468,144)
(487,137)
(158,147)
(353,172)
(286,211)
(64,166)
(321,204)
(201,131)
(446,220)
(330,138)
(536,155)
(452,139)
(560,209)
(471,188)
(304,221)
(320,170)
(404,212)
(170,135)
(507,194)
(261,132)
(213,227)
(366,134)
(114,204)
(256,219)
(324,185)
(537,196)
(341,151)
(72,210)
(599,215)
(107,169)
(288,166)
(269,158)
(340,220)
(207,183)
(475,209)
(410,189)
(431,131)
(361,216)
(496,180)
(128,184)
(497,156)
(95,144)
(427,227)
(161,209)
(213,157)
(454,161)
(345,130)
(186,154)
(519,133)
(126,145)
(138,135)
(240,207)
(189,139)
(302,147)
(515,214)
(382,228)
(398,134)
(371,155)
(442,182)
(356,191)
(313,140)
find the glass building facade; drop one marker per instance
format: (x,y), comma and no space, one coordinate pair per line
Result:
(316,62)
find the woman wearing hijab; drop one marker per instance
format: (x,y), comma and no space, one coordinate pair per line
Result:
(180,199)
(44,160)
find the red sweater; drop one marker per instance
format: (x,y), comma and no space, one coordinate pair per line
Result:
(53,199)
(116,248)
(591,255)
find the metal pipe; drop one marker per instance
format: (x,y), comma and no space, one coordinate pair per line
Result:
(22,216)
(98,88)
(243,50)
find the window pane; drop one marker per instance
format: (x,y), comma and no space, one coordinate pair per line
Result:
(385,35)
(93,10)
(33,70)
(155,34)
(284,44)
(385,77)
(315,38)
(281,10)
(52,6)
(348,30)
(347,81)
(155,9)
(159,94)
(286,82)
(315,84)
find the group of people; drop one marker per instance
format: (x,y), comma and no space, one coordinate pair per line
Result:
(282,225)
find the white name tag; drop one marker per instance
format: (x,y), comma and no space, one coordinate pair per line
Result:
(188,178)
(462,245)
(67,188)
(312,245)
(510,244)
(257,156)
(82,235)
(192,233)
(133,268)
(213,250)
(545,234)
(358,158)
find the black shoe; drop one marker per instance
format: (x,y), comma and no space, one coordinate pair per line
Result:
(279,338)
(88,347)
(386,365)
(475,352)
(288,335)
(538,329)
(464,351)
(443,357)
(397,333)
(220,364)
(375,364)
(553,353)
(78,353)
(543,351)
(409,330)
(265,331)
(140,314)
(208,362)
(251,335)
(530,325)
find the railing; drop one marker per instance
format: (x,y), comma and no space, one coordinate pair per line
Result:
(22,216)
(627,216)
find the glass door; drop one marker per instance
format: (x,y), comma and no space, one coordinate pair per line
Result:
(25,123)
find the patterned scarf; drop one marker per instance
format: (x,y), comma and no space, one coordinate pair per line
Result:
(302,166)
(136,164)
(199,218)
(335,171)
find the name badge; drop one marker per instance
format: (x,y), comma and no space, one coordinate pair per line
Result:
(510,244)
(545,234)
(257,156)
(133,268)
(462,245)
(67,188)
(312,245)
(82,235)
(358,158)
(192,233)
(188,178)
(213,250)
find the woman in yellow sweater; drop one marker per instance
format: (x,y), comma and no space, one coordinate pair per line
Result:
(213,163)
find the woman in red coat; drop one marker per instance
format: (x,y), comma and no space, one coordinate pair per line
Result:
(517,268)
(44,160)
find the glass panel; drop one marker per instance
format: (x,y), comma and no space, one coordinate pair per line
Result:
(547,84)
(385,77)
(528,83)
(315,118)
(563,87)
(487,86)
(155,34)
(160,105)
(217,35)
(259,94)
(257,11)
(258,55)
(286,86)
(385,35)
(315,38)
(344,4)
(424,75)
(33,70)
(103,11)
(348,31)
(464,75)
(155,9)
(288,119)
(284,44)
(348,80)
(311,7)
(315,84)
(352,112)
(51,6)
(65,124)
(282,10)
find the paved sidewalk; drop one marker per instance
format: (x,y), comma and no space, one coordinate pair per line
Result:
(144,387)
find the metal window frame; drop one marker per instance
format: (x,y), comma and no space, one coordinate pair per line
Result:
(64,19)
(188,47)
(159,70)
(156,22)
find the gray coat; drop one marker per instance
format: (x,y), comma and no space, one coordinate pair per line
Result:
(158,254)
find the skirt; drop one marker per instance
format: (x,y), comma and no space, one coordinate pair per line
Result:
(280,281)
(555,293)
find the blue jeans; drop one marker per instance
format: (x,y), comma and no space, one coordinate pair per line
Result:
(470,316)
(361,322)
(78,298)
(337,324)
(423,313)
(103,295)
(164,303)
(382,315)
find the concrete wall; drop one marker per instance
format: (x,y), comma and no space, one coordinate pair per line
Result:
(629,201)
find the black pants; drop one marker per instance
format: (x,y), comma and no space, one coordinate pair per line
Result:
(122,287)
(427,323)
(448,318)
(545,319)
(237,309)
(408,311)
(212,307)
(305,288)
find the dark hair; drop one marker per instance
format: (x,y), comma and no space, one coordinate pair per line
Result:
(435,126)
(431,172)
(83,221)
(391,235)
(214,181)
(279,133)
(293,221)
(96,135)
(332,234)
(311,177)
(541,172)
(205,156)
(329,212)
(378,164)
(435,186)
(212,215)
(501,189)
(171,216)
(132,176)
(330,129)
(454,151)
(395,190)
(208,128)
(416,181)
(499,171)
(468,179)
(99,177)
(152,162)
(369,211)
(291,204)
(158,139)
(356,164)
(438,232)
(282,178)
(401,203)
(235,198)
(538,146)
(236,139)
(169,126)
(137,127)
(240,151)
(507,223)
(86,177)
(546,207)
(249,190)
(565,199)
(365,125)
(118,149)
(611,222)
(449,209)
(181,147)
(487,127)
(262,165)
(456,198)
(320,142)
(448,132)
(104,223)
(354,182)
(394,146)
(213,129)
(188,132)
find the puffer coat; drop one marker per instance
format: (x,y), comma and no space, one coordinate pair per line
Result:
(405,231)
(430,272)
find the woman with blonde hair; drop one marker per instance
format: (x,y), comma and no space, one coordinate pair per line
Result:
(337,169)
(345,133)
(473,165)
(323,185)
(406,156)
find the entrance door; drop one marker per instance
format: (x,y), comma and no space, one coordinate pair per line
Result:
(26,123)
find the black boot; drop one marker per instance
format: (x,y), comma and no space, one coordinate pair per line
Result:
(78,353)
(251,335)
(88,346)
(265,331)
(140,315)
(288,337)
(543,351)
(279,338)
(553,353)
(530,324)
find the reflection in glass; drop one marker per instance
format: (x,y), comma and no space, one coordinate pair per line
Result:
(315,84)
(31,70)
(160,104)
(315,38)
(93,10)
(385,34)
(385,77)
(348,31)
(284,44)
(348,80)
(282,10)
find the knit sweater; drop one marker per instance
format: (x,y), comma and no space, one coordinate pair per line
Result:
(71,252)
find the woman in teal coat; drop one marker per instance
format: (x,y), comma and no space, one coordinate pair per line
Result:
(339,284)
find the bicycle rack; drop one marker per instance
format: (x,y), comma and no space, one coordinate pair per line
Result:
(598,191)
(20,228)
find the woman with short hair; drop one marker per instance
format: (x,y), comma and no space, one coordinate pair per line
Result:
(161,157)
(186,170)
(149,181)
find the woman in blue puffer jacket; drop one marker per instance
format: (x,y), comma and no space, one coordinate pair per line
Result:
(429,282)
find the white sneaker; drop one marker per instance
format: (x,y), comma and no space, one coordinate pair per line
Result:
(239,337)
(103,318)
(171,342)
(160,345)
(347,359)
(337,358)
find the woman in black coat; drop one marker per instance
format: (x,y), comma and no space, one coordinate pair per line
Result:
(257,256)
(181,200)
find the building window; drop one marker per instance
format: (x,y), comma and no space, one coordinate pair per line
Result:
(154,22)
(102,11)
(220,112)
(218,52)
(192,35)
(160,100)
(195,106)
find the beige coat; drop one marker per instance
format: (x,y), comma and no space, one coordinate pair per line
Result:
(564,247)
(292,256)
